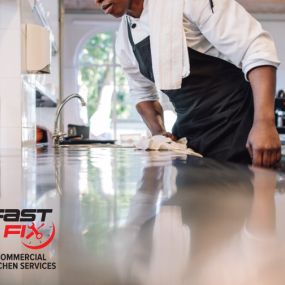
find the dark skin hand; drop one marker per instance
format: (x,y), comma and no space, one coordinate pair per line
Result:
(152,114)
(263,142)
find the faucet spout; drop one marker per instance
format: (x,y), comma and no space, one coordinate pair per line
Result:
(57,133)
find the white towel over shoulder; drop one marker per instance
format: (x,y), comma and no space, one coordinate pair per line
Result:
(170,60)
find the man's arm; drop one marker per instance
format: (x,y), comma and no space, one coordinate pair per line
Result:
(152,114)
(263,141)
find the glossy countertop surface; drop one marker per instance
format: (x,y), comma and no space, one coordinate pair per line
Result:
(131,217)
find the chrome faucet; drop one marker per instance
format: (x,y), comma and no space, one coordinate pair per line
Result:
(58,135)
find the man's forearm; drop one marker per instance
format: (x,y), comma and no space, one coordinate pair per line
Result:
(263,83)
(263,142)
(152,114)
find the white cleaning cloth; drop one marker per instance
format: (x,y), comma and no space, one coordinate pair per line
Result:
(163,143)
(170,60)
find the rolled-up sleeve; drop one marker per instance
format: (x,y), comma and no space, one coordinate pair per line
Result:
(233,32)
(141,89)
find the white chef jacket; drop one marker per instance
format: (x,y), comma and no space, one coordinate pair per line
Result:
(230,33)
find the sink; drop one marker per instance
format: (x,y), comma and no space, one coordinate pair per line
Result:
(92,143)
(86,142)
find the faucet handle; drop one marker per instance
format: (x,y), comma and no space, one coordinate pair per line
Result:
(59,134)
(58,137)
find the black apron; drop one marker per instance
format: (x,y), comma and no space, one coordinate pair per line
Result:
(214,105)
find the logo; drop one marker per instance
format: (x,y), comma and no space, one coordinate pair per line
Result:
(22,224)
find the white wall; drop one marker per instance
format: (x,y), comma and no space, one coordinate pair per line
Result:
(10,74)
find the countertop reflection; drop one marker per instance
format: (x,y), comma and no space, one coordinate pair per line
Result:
(130,217)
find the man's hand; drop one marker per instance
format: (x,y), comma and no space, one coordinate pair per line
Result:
(169,135)
(152,114)
(263,141)
(263,144)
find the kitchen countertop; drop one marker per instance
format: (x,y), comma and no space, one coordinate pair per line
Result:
(123,216)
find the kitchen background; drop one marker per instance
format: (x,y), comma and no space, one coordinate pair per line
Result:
(90,190)
(83,61)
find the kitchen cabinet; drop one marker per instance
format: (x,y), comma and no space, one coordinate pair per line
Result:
(46,14)
(46,86)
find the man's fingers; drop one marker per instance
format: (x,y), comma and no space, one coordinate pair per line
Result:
(169,135)
(257,157)
(266,158)
(274,157)
(279,154)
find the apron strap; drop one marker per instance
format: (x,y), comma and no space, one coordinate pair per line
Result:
(212,5)
(130,32)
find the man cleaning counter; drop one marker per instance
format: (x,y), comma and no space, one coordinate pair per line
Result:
(217,66)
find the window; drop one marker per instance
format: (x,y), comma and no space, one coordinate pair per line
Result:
(111,112)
